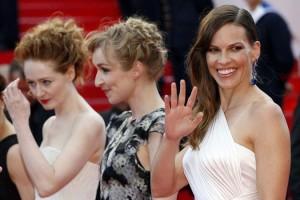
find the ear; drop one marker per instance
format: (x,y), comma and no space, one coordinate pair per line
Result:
(137,69)
(71,73)
(255,51)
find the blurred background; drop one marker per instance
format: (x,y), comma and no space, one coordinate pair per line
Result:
(17,16)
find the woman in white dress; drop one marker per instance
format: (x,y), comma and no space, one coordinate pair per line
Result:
(239,144)
(66,166)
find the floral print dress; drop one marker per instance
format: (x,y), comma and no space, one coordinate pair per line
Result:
(122,175)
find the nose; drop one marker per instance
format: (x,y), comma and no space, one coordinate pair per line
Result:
(98,79)
(224,58)
(38,91)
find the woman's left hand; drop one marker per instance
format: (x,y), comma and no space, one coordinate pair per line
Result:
(180,120)
(16,103)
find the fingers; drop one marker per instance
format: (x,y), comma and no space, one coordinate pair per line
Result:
(12,92)
(173,95)
(11,88)
(192,99)
(167,104)
(182,93)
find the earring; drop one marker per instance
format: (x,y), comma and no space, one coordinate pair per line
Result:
(254,73)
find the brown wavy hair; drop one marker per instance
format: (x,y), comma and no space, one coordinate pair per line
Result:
(132,40)
(57,40)
(208,100)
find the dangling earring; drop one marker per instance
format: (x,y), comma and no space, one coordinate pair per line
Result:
(254,73)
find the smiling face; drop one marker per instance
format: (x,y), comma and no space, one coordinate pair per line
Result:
(117,84)
(230,56)
(46,85)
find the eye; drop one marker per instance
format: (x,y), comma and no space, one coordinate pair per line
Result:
(46,82)
(31,84)
(105,70)
(237,48)
(213,50)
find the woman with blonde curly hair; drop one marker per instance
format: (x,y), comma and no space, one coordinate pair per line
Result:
(66,165)
(129,57)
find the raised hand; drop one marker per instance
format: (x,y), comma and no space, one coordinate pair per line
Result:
(180,119)
(16,103)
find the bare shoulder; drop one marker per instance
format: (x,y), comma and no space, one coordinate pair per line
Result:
(14,161)
(268,119)
(91,122)
(267,112)
(13,152)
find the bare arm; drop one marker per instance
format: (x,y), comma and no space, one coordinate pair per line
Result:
(167,171)
(88,137)
(272,150)
(153,145)
(18,173)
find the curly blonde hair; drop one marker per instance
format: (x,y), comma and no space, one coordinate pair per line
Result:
(132,40)
(57,40)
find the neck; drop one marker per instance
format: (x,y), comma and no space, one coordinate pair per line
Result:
(145,99)
(71,103)
(233,98)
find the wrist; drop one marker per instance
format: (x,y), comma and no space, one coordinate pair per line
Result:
(21,125)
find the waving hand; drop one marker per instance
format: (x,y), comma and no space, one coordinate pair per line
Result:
(180,119)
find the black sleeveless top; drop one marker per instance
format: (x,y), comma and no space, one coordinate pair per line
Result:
(8,190)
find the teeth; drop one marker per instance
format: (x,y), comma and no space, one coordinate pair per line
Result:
(225,71)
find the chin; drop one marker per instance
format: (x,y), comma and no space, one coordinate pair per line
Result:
(47,107)
(113,101)
(227,84)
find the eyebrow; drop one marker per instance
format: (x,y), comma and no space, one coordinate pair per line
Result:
(40,79)
(100,65)
(233,44)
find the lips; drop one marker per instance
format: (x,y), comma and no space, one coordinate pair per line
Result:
(44,101)
(105,91)
(226,71)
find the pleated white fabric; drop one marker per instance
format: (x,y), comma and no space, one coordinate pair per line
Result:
(82,187)
(221,169)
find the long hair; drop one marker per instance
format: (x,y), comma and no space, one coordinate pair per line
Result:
(208,100)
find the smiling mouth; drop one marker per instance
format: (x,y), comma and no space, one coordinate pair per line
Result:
(226,72)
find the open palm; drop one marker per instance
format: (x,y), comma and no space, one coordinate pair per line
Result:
(180,119)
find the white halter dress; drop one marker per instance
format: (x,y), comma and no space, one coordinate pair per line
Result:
(221,169)
(82,187)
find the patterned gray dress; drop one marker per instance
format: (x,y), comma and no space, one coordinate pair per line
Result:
(122,177)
